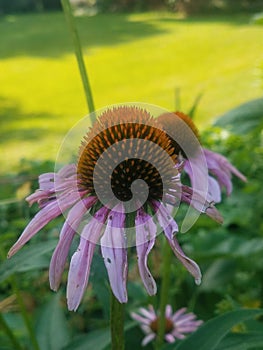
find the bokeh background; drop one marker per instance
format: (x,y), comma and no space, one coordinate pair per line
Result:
(204,57)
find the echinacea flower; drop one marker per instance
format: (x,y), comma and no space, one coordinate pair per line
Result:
(177,324)
(125,180)
(218,166)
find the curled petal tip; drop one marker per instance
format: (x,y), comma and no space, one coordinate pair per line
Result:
(11,252)
(214,214)
(198,281)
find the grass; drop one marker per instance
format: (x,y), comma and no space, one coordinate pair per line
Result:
(136,57)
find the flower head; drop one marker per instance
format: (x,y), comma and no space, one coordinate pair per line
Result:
(218,166)
(177,324)
(126,178)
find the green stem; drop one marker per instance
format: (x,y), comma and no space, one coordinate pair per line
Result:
(78,52)
(166,269)
(8,331)
(117,324)
(24,314)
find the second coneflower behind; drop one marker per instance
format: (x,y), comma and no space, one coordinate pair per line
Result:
(118,194)
(177,324)
(219,168)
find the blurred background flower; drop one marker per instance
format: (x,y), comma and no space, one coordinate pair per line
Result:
(177,324)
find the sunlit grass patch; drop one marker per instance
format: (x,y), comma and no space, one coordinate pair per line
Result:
(136,57)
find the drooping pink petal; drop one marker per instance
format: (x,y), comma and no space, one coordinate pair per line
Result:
(176,316)
(148,339)
(189,327)
(67,234)
(46,182)
(67,170)
(59,256)
(214,192)
(185,318)
(150,313)
(146,328)
(177,334)
(170,228)
(145,238)
(43,217)
(140,318)
(219,166)
(79,273)
(196,200)
(169,338)
(79,269)
(113,248)
(168,311)
(40,196)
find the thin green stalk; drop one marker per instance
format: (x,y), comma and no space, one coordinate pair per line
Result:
(117,324)
(8,331)
(78,52)
(166,270)
(25,315)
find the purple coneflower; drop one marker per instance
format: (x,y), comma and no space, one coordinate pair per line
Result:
(176,324)
(101,203)
(217,165)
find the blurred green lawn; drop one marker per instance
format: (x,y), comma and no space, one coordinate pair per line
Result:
(129,57)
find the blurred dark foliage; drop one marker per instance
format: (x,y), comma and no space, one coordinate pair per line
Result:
(214,6)
(23,6)
(185,6)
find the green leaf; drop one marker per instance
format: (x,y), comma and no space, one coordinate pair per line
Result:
(28,258)
(196,102)
(243,119)
(241,341)
(52,332)
(218,275)
(209,335)
(98,340)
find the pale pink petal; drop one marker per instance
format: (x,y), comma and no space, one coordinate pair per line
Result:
(93,229)
(196,200)
(188,328)
(148,339)
(140,318)
(39,196)
(67,234)
(68,170)
(178,314)
(177,334)
(170,228)
(43,217)
(146,328)
(169,338)
(168,311)
(150,313)
(79,273)
(81,260)
(59,257)
(114,252)
(185,318)
(219,166)
(145,238)
(214,192)
(46,182)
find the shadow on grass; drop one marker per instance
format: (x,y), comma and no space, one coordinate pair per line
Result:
(233,20)
(47,34)
(18,126)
